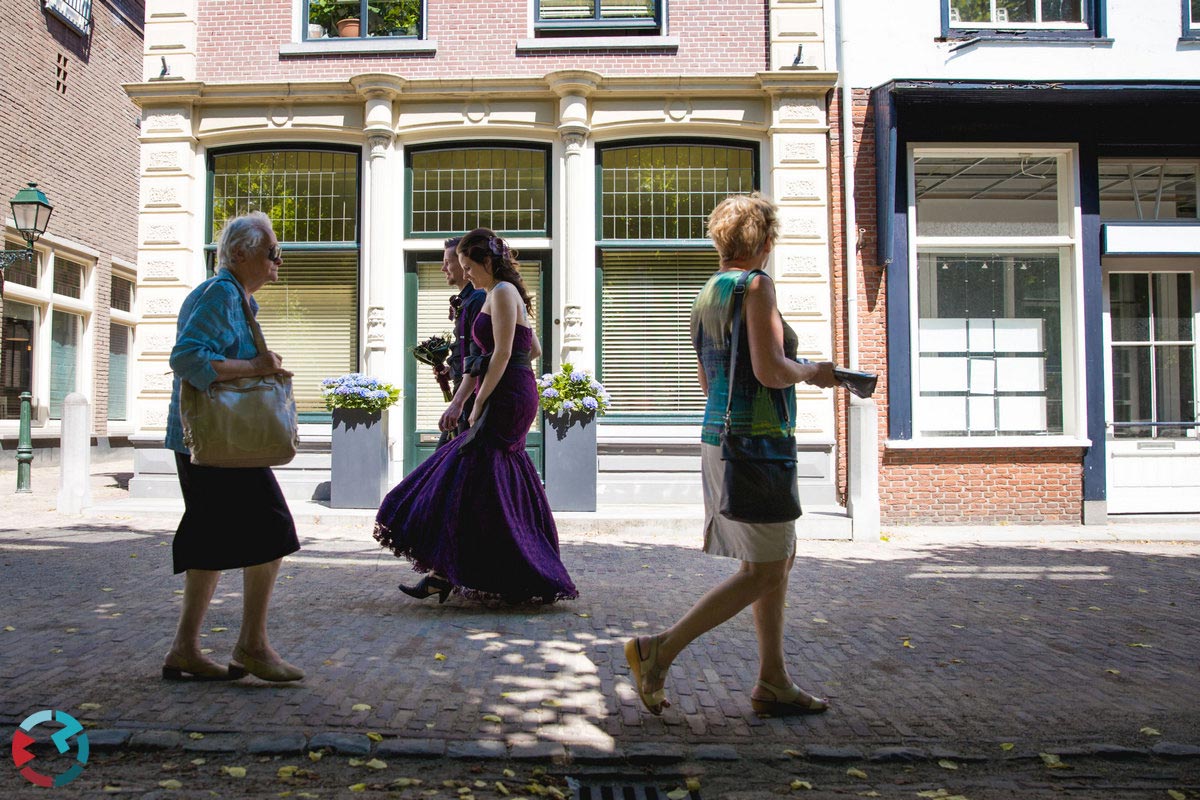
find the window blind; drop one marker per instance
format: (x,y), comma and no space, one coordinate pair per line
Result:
(310,317)
(433,307)
(648,363)
(118,370)
(65,331)
(68,277)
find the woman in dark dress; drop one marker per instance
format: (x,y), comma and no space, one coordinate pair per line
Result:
(234,518)
(474,514)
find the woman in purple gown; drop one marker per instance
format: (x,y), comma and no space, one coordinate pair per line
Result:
(474,515)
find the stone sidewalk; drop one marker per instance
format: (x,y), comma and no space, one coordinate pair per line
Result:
(932,640)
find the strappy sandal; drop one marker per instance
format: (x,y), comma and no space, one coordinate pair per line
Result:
(790,701)
(646,669)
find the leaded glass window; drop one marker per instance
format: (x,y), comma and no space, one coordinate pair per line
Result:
(310,195)
(310,316)
(457,189)
(666,191)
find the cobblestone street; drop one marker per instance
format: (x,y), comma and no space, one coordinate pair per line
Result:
(941,646)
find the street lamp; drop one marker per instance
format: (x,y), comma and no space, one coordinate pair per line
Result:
(31,212)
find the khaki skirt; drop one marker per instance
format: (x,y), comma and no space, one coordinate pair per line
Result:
(748,541)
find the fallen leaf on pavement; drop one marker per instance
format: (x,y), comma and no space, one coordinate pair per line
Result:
(234,772)
(501,788)
(799,784)
(375,763)
(358,787)
(1176,795)
(855,772)
(89,706)
(491,718)
(1139,644)
(199,762)
(375,737)
(315,755)
(1113,671)
(692,784)
(946,763)
(1006,746)
(677,794)
(1150,732)
(360,707)
(1052,761)
(438,657)
(288,771)
(171,784)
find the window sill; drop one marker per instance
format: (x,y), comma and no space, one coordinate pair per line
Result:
(370,46)
(599,43)
(964,39)
(987,443)
(1190,40)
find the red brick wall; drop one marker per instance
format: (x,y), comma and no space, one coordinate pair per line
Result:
(81,145)
(239,42)
(954,486)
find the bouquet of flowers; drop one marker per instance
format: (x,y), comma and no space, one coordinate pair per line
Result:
(572,391)
(358,391)
(434,351)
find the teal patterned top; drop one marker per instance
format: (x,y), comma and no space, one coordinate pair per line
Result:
(754,412)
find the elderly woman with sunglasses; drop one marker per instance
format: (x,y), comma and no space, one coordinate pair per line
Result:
(234,518)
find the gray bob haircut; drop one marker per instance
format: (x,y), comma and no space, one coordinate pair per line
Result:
(242,237)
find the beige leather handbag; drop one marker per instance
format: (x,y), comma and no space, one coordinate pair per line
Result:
(244,422)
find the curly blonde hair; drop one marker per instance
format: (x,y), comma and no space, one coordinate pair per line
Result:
(741,224)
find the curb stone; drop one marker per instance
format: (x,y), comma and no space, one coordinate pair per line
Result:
(819,752)
(715,752)
(287,744)
(215,743)
(1175,750)
(481,748)
(533,751)
(156,740)
(108,739)
(938,753)
(411,748)
(350,744)
(1115,751)
(655,753)
(595,754)
(898,755)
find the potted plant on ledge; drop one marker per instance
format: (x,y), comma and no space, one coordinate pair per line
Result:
(359,474)
(571,400)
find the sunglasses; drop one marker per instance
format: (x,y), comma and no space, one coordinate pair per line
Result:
(275,253)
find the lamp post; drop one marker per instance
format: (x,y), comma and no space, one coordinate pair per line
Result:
(31,212)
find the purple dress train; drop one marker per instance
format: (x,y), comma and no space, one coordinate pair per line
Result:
(476,512)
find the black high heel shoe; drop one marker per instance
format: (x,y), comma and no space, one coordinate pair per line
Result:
(428,587)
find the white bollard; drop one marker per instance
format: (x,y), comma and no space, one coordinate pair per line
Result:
(863,502)
(75,456)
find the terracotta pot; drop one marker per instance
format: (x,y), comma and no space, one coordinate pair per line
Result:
(348,28)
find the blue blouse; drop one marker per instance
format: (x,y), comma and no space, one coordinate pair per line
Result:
(212,327)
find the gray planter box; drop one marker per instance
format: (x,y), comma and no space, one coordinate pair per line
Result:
(359,474)
(571,465)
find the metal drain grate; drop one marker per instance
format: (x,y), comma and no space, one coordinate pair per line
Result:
(619,791)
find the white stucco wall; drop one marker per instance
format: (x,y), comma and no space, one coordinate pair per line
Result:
(887,39)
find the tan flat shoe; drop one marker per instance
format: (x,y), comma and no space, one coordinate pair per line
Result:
(787,702)
(274,673)
(643,668)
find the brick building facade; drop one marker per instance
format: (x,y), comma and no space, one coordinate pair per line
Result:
(596,145)
(67,125)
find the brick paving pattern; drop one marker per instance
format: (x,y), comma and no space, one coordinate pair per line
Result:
(918,643)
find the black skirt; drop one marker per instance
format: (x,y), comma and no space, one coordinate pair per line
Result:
(232,518)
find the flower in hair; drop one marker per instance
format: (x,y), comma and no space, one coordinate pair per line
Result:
(498,247)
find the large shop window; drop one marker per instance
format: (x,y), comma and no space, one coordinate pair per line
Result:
(654,259)
(598,17)
(994,299)
(310,317)
(460,188)
(1149,190)
(1055,17)
(1153,355)
(363,19)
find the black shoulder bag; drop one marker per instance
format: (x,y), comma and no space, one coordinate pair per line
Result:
(760,471)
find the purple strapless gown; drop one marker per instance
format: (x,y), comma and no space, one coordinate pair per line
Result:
(478,514)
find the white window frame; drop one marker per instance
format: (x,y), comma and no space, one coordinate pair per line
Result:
(45,302)
(956,23)
(126,319)
(1071,278)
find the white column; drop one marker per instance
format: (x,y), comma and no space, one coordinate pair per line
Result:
(379,91)
(578,326)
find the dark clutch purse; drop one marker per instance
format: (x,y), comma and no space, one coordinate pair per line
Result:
(760,471)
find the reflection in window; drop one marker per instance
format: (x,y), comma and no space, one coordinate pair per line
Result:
(16,358)
(981,195)
(1148,190)
(120,294)
(990,340)
(1016,13)
(667,191)
(598,16)
(68,277)
(1153,355)
(343,19)
(22,271)
(310,196)
(456,190)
